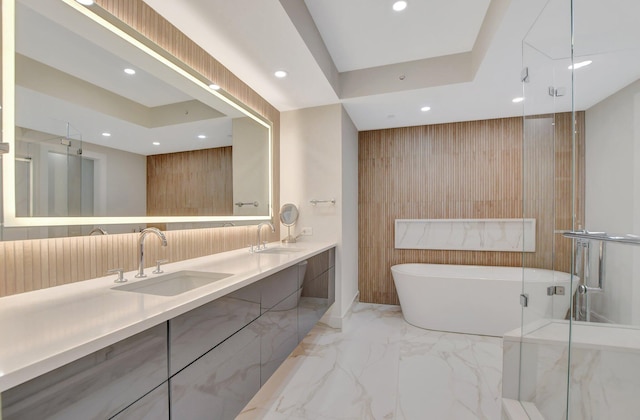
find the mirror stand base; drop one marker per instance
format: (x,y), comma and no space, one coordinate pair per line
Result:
(289,240)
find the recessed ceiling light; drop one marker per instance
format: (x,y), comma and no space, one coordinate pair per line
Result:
(425,108)
(517,100)
(85,2)
(399,6)
(106,134)
(280,74)
(130,71)
(156,143)
(214,86)
(580,64)
(202,136)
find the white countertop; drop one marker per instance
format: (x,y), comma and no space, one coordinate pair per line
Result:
(45,329)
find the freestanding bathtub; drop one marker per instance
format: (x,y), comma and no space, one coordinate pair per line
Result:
(475,299)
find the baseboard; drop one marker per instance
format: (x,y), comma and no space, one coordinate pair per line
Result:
(336,321)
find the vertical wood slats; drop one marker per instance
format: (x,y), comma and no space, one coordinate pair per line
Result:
(461,170)
(35,264)
(192,183)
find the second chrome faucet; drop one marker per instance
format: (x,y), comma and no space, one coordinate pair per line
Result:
(260,246)
(143,235)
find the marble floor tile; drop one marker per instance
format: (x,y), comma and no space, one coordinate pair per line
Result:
(380,367)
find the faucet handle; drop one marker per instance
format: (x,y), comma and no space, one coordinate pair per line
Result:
(120,272)
(159,270)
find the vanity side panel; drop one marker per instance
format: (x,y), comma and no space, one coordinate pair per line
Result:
(318,291)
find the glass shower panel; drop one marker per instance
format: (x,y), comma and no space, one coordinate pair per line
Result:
(548,184)
(608,36)
(604,372)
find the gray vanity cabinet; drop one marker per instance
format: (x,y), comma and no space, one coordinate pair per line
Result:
(97,386)
(318,291)
(205,364)
(278,324)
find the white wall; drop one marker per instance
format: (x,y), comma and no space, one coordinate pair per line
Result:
(319,160)
(613,197)
(250,167)
(349,212)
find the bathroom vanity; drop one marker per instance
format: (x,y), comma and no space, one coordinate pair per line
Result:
(95,350)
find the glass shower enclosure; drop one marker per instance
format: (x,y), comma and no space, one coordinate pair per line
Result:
(578,354)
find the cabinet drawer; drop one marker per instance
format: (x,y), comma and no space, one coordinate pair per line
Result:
(96,386)
(198,331)
(153,406)
(278,335)
(220,383)
(278,286)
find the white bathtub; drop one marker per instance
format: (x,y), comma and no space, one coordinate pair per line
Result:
(474,299)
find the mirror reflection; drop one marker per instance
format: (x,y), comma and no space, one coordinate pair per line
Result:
(102,129)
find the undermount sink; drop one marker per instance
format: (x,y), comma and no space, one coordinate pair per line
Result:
(280,250)
(172,284)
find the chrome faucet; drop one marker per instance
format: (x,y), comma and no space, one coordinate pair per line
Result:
(143,235)
(260,244)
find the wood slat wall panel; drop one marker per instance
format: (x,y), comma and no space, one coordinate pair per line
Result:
(41,263)
(27,266)
(462,170)
(193,183)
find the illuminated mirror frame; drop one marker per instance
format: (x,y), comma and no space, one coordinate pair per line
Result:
(8,132)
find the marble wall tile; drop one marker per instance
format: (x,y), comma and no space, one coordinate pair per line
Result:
(603,382)
(466,234)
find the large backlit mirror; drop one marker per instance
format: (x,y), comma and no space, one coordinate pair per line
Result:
(107,129)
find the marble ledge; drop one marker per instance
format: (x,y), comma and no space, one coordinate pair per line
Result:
(511,235)
(51,327)
(584,335)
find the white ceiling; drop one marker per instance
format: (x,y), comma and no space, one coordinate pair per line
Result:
(363,33)
(461,57)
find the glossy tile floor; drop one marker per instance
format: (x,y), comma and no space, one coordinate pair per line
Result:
(380,367)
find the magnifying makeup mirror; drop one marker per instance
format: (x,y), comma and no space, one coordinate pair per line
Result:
(288,217)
